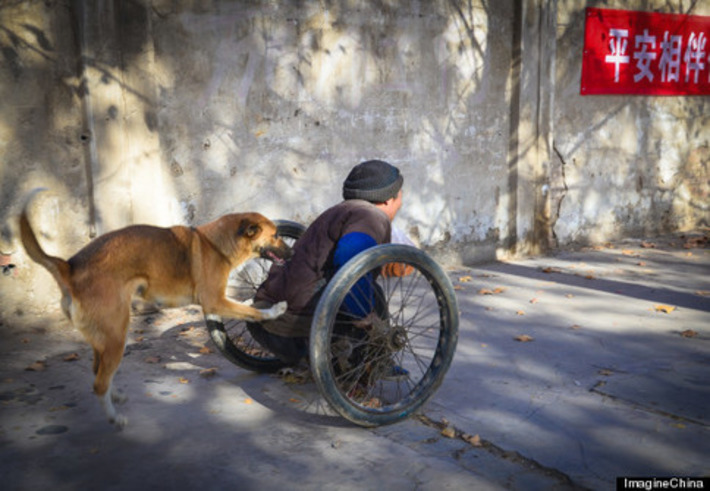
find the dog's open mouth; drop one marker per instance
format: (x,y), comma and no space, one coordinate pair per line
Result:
(272,256)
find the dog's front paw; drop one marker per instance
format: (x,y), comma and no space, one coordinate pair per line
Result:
(275,311)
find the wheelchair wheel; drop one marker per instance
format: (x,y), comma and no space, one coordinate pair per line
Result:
(380,368)
(231,336)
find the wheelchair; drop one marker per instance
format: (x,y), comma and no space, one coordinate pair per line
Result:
(372,371)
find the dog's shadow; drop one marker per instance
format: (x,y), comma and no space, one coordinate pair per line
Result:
(187,350)
(170,364)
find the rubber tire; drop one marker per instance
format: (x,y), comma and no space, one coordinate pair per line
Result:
(267,363)
(325,318)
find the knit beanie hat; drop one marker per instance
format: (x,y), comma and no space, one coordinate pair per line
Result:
(375,181)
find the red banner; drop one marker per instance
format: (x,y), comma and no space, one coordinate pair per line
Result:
(645,53)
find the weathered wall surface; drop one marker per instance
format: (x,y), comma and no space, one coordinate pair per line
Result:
(178,111)
(624,165)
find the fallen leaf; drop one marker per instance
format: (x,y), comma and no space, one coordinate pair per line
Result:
(520,312)
(205,350)
(689,333)
(648,245)
(524,338)
(606,372)
(667,309)
(373,402)
(498,290)
(208,372)
(694,242)
(153,359)
(485,291)
(628,252)
(569,295)
(465,279)
(448,432)
(37,366)
(474,440)
(248,400)
(641,263)
(703,293)
(183,380)
(533,300)
(294,400)
(72,357)
(550,269)
(458,287)
(140,339)
(576,327)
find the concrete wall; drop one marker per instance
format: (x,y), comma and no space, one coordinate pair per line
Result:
(624,165)
(170,111)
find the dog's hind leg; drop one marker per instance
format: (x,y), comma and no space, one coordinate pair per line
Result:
(115,395)
(107,358)
(97,357)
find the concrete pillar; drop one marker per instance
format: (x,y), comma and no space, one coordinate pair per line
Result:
(530,149)
(124,173)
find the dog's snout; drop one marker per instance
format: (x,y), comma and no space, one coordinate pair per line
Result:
(278,250)
(287,250)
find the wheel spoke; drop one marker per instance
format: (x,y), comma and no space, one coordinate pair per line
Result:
(405,342)
(233,338)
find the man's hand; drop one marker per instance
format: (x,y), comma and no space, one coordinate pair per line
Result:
(397,269)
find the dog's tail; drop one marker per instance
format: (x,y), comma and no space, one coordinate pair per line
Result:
(58,267)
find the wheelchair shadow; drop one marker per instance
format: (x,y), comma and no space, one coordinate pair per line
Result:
(297,400)
(288,396)
(169,361)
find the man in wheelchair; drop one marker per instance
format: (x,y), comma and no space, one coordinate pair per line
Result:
(372,196)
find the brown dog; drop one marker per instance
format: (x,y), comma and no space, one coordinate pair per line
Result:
(168,266)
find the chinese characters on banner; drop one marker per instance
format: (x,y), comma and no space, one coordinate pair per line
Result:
(645,53)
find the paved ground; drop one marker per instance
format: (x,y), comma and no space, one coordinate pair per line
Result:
(570,371)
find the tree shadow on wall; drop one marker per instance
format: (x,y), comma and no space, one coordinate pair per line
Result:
(609,151)
(47,54)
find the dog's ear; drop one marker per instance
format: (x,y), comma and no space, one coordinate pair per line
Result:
(248,229)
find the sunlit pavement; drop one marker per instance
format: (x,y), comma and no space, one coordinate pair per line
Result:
(570,371)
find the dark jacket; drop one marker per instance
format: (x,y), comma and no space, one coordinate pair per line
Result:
(301,279)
